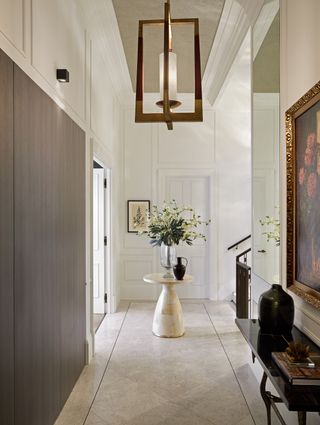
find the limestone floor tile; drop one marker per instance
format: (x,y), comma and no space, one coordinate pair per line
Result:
(120,399)
(247,421)
(237,350)
(220,308)
(222,402)
(93,419)
(224,326)
(169,414)
(192,307)
(249,386)
(202,378)
(79,401)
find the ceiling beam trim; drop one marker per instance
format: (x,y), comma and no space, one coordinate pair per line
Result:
(236,19)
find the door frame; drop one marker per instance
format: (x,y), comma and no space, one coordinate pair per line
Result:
(107,229)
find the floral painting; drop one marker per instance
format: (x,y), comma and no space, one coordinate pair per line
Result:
(138,216)
(307,247)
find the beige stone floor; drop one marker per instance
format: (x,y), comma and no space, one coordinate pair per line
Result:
(135,378)
(97,319)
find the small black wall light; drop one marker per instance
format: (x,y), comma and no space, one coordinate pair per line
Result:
(63,75)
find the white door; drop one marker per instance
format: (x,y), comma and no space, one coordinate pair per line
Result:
(193,191)
(98,241)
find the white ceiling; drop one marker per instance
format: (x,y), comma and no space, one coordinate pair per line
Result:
(129,12)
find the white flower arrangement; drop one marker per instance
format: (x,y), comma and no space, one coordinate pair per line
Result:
(172,224)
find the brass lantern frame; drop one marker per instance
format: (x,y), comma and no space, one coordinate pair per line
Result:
(168,116)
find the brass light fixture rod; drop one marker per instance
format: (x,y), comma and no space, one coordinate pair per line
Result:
(167,31)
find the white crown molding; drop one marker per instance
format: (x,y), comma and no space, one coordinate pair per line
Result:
(267,15)
(236,19)
(103,28)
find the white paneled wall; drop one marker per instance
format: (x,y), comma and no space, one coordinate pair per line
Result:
(58,41)
(157,164)
(101,102)
(12,20)
(190,145)
(43,35)
(233,157)
(183,164)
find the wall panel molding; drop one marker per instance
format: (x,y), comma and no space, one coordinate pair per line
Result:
(16,35)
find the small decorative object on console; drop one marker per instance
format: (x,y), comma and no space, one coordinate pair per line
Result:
(276,311)
(179,269)
(297,351)
(297,374)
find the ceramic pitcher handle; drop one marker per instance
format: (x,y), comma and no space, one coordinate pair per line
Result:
(186,260)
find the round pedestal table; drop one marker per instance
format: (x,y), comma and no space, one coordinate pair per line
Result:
(168,317)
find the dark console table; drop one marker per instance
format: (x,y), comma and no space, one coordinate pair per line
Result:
(301,399)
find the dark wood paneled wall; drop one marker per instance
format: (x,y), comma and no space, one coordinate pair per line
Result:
(6,241)
(72,295)
(50,253)
(43,249)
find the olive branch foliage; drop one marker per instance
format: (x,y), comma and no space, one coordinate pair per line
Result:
(171,225)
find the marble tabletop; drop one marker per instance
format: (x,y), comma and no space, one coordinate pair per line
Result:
(158,278)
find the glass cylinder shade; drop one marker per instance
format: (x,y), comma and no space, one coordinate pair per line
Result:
(168,258)
(172,80)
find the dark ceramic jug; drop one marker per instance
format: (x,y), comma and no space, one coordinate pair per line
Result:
(179,269)
(276,311)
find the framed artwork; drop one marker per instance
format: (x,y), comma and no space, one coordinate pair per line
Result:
(303,196)
(138,216)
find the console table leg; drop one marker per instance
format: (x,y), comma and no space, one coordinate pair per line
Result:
(302,418)
(265,397)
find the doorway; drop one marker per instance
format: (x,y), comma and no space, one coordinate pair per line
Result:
(101,224)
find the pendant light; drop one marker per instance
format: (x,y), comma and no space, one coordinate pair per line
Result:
(168,74)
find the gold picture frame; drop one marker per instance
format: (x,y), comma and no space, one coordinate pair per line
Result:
(303,196)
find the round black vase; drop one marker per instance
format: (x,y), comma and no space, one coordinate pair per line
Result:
(276,311)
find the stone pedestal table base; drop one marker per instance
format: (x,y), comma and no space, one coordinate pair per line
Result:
(168,317)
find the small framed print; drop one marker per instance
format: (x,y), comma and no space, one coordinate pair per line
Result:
(138,216)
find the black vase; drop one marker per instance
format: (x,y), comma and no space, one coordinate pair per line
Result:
(276,311)
(179,269)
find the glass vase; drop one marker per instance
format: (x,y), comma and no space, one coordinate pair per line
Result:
(168,259)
